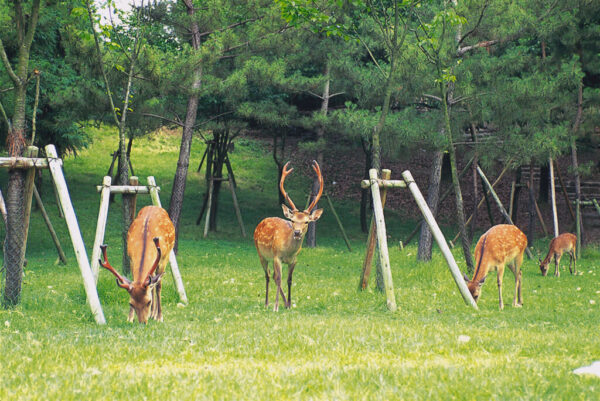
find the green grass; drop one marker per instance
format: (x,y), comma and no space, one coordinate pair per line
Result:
(335,344)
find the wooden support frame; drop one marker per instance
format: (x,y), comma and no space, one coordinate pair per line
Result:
(105,191)
(379,222)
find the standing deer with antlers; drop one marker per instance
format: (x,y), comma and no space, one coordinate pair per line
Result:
(280,240)
(150,240)
(565,242)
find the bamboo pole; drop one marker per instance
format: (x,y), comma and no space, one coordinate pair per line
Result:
(23,162)
(339,222)
(371,239)
(236,206)
(172,258)
(38,199)
(553,198)
(101,225)
(55,165)
(126,189)
(439,238)
(382,241)
(499,203)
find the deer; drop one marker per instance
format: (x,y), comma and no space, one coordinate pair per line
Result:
(501,245)
(566,242)
(279,241)
(150,239)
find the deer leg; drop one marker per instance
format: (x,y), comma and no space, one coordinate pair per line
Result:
(556,264)
(499,280)
(265,265)
(158,288)
(289,281)
(277,278)
(131,314)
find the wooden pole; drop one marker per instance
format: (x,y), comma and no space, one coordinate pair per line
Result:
(236,206)
(89,284)
(38,199)
(31,152)
(101,225)
(133,181)
(439,237)
(371,239)
(499,203)
(172,258)
(210,192)
(564,190)
(125,189)
(24,162)
(553,198)
(339,222)
(513,187)
(382,241)
(3,208)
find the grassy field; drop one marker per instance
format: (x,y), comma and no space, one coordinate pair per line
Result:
(335,343)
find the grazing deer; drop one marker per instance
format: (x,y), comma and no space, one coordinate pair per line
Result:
(500,245)
(566,242)
(280,240)
(150,239)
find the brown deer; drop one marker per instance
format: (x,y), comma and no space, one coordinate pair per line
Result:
(280,240)
(566,242)
(500,245)
(150,239)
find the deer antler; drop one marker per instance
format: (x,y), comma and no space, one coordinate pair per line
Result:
(122,282)
(317,169)
(158,255)
(284,174)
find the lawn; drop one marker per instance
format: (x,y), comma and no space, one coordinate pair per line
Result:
(335,343)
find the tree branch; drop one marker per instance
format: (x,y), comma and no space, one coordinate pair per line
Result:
(7,66)
(466,35)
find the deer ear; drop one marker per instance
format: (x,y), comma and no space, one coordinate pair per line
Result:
(314,216)
(466,277)
(152,281)
(287,212)
(482,281)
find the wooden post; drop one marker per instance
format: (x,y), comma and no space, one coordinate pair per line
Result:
(172,259)
(371,239)
(210,192)
(101,225)
(3,208)
(499,203)
(439,237)
(134,182)
(55,165)
(61,254)
(31,152)
(513,187)
(236,206)
(382,241)
(578,225)
(553,198)
(337,218)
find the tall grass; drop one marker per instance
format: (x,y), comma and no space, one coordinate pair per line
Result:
(335,343)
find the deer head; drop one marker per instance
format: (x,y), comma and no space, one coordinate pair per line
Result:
(300,219)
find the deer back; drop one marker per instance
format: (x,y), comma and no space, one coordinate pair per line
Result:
(151,222)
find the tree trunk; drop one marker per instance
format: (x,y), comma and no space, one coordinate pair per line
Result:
(575,162)
(311,235)
(515,210)
(365,193)
(179,181)
(460,214)
(433,196)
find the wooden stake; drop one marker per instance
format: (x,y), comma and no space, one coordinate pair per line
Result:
(89,284)
(172,258)
(339,222)
(3,208)
(499,203)
(382,242)
(133,181)
(101,225)
(236,206)
(553,198)
(31,152)
(61,255)
(207,221)
(371,239)
(439,238)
